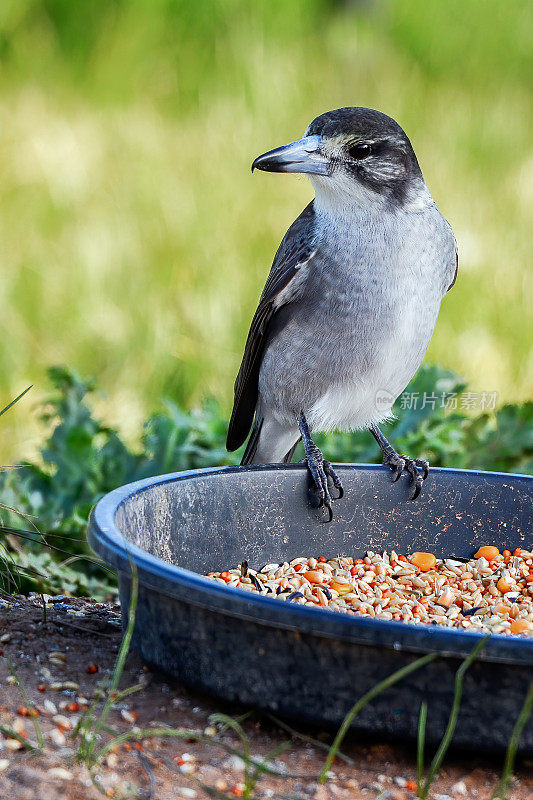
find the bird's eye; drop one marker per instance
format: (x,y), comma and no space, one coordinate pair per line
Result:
(359,151)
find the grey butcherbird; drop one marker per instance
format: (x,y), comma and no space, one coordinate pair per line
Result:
(351,300)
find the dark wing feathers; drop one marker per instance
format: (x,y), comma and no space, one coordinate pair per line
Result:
(294,250)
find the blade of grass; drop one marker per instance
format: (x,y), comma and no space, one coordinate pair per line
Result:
(174,733)
(87,718)
(22,739)
(240,719)
(257,772)
(119,696)
(91,559)
(309,739)
(36,531)
(12,403)
(452,721)
(421,743)
(237,728)
(364,700)
(119,667)
(502,789)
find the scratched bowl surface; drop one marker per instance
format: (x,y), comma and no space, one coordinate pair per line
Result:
(302,662)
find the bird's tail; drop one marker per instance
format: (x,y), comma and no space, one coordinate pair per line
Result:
(268,443)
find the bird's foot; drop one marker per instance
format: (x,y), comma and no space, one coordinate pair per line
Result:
(322,479)
(400,463)
(322,476)
(416,468)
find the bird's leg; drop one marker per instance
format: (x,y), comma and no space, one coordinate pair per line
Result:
(398,463)
(320,471)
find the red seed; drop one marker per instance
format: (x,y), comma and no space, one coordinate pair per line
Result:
(411,786)
(322,560)
(73,707)
(92,668)
(41,688)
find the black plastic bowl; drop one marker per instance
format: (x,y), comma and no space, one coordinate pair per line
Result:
(306,662)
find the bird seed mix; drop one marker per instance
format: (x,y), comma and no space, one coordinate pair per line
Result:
(490,592)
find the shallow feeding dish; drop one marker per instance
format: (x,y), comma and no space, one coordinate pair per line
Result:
(310,663)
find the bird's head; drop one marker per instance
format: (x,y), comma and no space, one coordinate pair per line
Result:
(352,153)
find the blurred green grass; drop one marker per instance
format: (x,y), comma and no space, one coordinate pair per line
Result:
(135,241)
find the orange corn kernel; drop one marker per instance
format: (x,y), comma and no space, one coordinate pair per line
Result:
(501,608)
(504,585)
(314,576)
(487,552)
(521,626)
(341,588)
(424,561)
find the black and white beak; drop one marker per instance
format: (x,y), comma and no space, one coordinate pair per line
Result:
(301,156)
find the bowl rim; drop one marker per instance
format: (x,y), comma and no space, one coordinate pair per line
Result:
(188,586)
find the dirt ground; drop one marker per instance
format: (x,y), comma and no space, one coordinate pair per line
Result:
(78,636)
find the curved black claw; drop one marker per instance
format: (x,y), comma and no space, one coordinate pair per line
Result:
(400,463)
(334,479)
(319,494)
